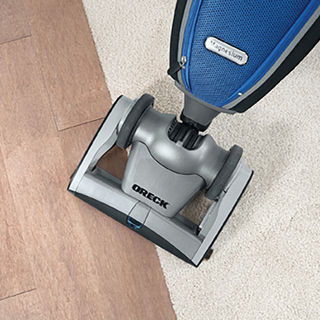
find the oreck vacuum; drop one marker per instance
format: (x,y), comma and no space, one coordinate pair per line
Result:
(224,57)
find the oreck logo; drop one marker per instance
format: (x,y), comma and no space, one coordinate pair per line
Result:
(145,193)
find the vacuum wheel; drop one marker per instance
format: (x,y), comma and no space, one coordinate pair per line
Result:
(131,123)
(225,173)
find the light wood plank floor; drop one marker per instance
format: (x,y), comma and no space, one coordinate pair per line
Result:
(60,258)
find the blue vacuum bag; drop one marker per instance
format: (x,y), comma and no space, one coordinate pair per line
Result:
(228,54)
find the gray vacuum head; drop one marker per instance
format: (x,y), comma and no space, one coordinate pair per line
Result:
(168,165)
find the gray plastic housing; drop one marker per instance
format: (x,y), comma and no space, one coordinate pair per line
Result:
(166,169)
(172,232)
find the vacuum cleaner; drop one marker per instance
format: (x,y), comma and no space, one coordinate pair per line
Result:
(224,57)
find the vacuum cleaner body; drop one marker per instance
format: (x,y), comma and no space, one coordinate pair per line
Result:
(219,68)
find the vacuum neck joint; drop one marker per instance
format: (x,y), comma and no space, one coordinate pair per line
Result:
(197,126)
(184,132)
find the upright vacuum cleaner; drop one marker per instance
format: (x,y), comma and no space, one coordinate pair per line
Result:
(224,57)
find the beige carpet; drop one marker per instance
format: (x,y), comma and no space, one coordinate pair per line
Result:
(266,261)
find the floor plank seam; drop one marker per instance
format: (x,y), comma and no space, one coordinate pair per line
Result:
(11,193)
(48,96)
(79,125)
(17,39)
(15,210)
(18,294)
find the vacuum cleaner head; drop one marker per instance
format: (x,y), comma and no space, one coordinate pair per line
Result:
(224,56)
(169,164)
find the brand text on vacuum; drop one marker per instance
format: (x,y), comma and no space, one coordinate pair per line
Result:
(150,196)
(227,51)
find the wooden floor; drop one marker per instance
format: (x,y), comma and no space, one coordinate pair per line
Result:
(60,258)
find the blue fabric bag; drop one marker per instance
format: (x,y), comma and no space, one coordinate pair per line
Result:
(229,54)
